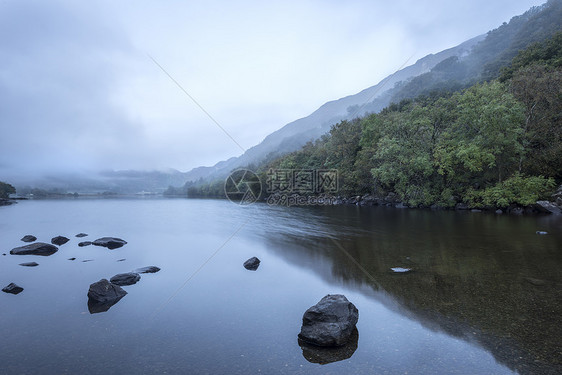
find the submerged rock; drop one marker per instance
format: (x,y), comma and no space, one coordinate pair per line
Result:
(325,355)
(37,248)
(128,278)
(102,295)
(29,264)
(59,240)
(330,322)
(28,238)
(12,289)
(252,264)
(401,270)
(85,243)
(149,269)
(80,235)
(109,242)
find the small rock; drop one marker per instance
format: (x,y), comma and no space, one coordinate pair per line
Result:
(102,295)
(28,238)
(128,278)
(541,232)
(252,264)
(476,210)
(461,207)
(499,212)
(80,235)
(121,260)
(109,242)
(330,322)
(401,270)
(85,243)
(12,289)
(149,269)
(87,260)
(59,240)
(71,258)
(29,264)
(37,248)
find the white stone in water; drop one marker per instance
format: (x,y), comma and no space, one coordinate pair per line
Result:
(400,270)
(541,232)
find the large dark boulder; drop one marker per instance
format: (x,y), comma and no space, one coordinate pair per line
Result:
(59,240)
(37,248)
(128,278)
(12,289)
(109,242)
(102,295)
(149,269)
(330,322)
(29,238)
(252,264)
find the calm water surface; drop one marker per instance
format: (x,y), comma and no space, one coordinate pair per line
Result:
(485,296)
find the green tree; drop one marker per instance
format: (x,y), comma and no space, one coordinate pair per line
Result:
(6,189)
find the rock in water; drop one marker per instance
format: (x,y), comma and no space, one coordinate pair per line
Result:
(85,243)
(28,238)
(149,269)
(12,289)
(252,264)
(59,240)
(37,248)
(109,242)
(542,233)
(104,292)
(128,278)
(330,322)
(80,235)
(401,270)
(29,264)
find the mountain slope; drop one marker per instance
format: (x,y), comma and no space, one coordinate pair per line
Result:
(294,135)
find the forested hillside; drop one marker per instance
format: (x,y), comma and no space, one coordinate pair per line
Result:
(497,143)
(494,144)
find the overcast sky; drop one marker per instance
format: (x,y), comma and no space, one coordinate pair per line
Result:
(79,92)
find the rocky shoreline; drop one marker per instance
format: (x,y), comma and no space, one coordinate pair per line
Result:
(553,207)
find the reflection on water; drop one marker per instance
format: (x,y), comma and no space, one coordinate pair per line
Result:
(486,279)
(325,355)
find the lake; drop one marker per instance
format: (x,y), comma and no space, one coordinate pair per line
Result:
(484,296)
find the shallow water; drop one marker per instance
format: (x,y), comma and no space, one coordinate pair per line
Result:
(484,295)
